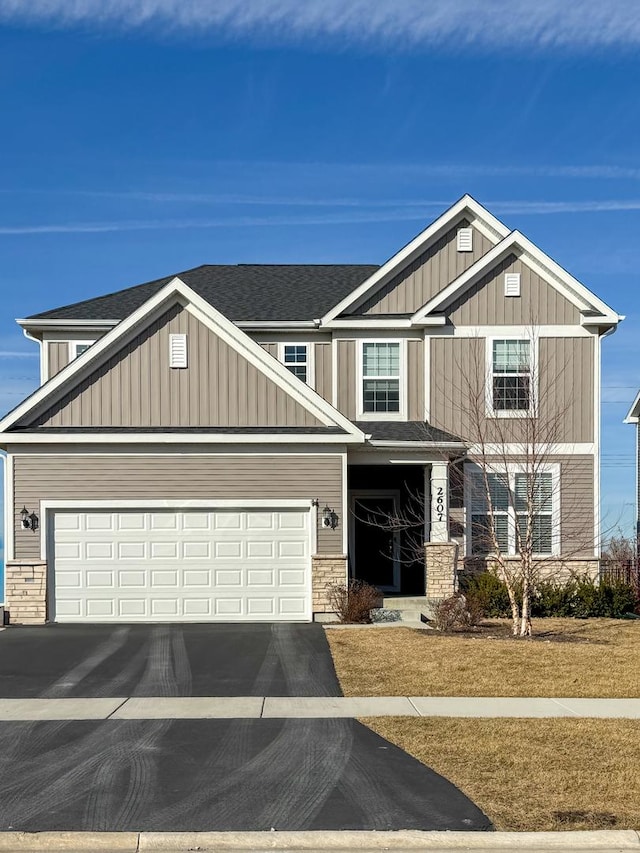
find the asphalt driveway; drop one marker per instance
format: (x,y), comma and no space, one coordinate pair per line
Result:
(204,774)
(274,659)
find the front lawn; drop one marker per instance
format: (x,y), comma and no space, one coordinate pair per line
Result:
(566,657)
(532,775)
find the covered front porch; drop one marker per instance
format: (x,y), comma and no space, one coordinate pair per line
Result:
(400,537)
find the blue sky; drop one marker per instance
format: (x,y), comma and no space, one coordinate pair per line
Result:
(139,139)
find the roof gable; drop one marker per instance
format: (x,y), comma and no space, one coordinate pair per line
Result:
(492,228)
(593,310)
(268,394)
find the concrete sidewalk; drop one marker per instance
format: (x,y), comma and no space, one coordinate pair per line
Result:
(402,841)
(270,707)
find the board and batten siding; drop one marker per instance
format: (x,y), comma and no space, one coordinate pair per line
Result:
(136,387)
(323,377)
(75,477)
(57,356)
(484,304)
(566,389)
(347,370)
(432,271)
(415,380)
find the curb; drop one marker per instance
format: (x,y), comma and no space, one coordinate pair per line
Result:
(407,840)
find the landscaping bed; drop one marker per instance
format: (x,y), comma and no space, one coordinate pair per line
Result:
(532,774)
(565,657)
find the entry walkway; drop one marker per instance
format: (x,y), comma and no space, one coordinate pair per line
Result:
(298,707)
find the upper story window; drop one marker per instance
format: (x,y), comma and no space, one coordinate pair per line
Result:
(507,508)
(511,376)
(76,348)
(381,377)
(295,358)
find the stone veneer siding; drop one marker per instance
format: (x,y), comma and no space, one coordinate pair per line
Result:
(326,569)
(26,592)
(441,563)
(560,570)
(26,586)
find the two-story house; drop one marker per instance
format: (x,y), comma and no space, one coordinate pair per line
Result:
(221,443)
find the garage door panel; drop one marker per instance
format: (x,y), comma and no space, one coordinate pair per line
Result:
(206,565)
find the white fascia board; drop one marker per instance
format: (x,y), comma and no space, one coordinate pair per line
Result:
(417,444)
(61,325)
(276,325)
(369,324)
(417,246)
(33,438)
(633,417)
(222,326)
(555,275)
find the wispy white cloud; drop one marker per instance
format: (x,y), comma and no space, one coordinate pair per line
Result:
(403,211)
(10,354)
(471,23)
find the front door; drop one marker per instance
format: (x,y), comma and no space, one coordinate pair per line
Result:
(374,551)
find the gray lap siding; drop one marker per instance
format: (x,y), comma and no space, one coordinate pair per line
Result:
(182,476)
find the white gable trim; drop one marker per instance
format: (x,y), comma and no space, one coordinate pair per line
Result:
(484,221)
(633,417)
(218,323)
(575,292)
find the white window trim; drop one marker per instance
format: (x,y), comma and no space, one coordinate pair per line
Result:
(311,377)
(73,348)
(533,385)
(511,469)
(401,415)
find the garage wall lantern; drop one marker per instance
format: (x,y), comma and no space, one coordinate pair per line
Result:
(329,518)
(29,520)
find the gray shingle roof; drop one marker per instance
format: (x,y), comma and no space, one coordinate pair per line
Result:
(405,431)
(240,292)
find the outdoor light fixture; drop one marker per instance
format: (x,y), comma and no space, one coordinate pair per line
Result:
(29,520)
(329,518)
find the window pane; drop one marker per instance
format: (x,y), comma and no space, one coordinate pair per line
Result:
(299,370)
(295,353)
(381,359)
(511,356)
(482,537)
(538,499)
(381,395)
(541,532)
(511,393)
(80,348)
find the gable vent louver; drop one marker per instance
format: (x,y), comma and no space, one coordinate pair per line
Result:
(512,284)
(177,350)
(465,239)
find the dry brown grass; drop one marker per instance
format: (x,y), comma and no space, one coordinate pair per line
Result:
(595,657)
(532,774)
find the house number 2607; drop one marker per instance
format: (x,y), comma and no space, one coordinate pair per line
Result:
(440,503)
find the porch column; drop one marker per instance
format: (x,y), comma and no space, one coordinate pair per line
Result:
(441,555)
(439,502)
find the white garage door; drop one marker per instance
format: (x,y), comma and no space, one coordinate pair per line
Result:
(176,566)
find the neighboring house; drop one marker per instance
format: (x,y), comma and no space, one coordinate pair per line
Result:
(634,418)
(213,445)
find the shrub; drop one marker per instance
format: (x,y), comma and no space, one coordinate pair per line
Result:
(580,597)
(554,599)
(452,613)
(486,594)
(354,602)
